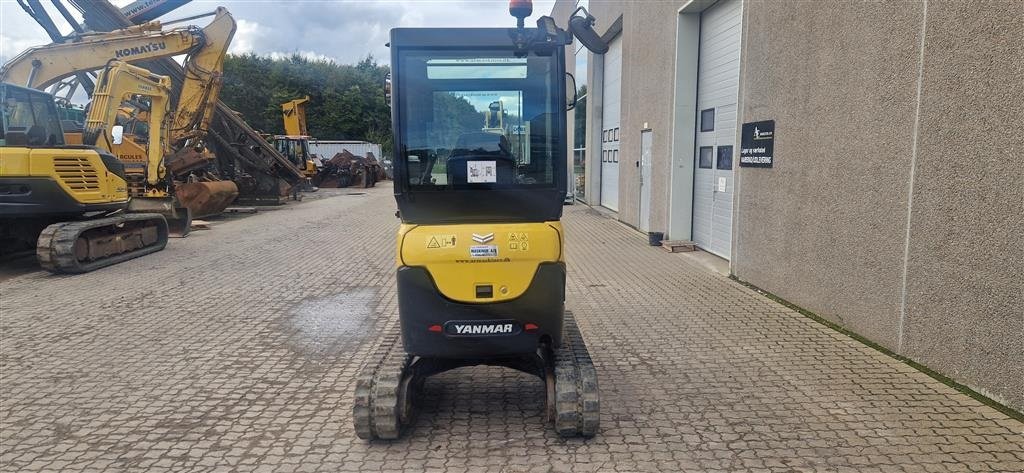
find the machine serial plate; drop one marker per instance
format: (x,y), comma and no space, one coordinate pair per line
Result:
(481,328)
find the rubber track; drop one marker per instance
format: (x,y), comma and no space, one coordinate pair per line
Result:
(55,248)
(375,412)
(387,423)
(377,415)
(577,399)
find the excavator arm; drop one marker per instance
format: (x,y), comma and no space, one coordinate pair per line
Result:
(294,112)
(42,66)
(121,82)
(204,70)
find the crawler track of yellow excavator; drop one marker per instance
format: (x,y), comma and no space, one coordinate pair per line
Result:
(87,245)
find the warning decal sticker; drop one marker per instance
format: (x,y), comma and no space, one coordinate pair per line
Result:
(440,241)
(518,241)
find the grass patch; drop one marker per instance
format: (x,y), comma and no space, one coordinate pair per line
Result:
(907,361)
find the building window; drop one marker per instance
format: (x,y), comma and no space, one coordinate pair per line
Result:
(724,158)
(705,157)
(707,120)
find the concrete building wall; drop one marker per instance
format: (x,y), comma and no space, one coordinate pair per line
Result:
(894,207)
(965,266)
(647,83)
(825,228)
(896,204)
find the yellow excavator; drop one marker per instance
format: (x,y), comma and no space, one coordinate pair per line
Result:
(74,203)
(44,66)
(141,152)
(294,144)
(480,260)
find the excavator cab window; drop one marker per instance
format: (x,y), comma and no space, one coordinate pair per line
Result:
(481,120)
(136,118)
(479,126)
(286,147)
(295,149)
(29,118)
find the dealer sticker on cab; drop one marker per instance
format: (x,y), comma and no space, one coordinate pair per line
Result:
(483,251)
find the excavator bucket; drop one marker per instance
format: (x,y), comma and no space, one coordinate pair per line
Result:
(179,219)
(180,223)
(206,198)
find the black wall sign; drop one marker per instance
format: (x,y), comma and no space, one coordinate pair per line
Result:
(757,148)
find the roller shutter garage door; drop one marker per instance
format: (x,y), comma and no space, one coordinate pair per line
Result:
(610,119)
(718,74)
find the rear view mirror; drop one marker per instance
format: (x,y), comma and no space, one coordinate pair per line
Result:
(117,134)
(582,27)
(570,91)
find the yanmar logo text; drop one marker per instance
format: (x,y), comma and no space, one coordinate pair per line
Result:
(482,329)
(470,328)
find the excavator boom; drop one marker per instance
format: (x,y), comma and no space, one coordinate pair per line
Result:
(42,66)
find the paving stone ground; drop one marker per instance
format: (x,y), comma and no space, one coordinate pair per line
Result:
(236,349)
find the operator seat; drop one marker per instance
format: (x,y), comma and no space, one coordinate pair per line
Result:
(36,135)
(481,146)
(16,136)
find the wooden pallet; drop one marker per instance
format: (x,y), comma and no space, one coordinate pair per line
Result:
(678,246)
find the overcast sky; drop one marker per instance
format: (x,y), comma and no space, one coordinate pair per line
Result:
(342,30)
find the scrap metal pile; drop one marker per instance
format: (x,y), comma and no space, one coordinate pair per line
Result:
(348,170)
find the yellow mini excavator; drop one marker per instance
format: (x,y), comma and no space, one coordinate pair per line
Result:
(69,202)
(480,260)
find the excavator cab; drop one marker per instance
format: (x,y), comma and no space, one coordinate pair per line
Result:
(479,119)
(28,118)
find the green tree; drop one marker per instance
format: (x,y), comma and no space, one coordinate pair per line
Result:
(346,101)
(453,116)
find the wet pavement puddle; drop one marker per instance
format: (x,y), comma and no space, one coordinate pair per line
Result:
(330,325)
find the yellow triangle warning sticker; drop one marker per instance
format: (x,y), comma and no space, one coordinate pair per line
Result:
(433,243)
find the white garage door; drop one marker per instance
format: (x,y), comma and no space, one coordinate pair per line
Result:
(612,103)
(718,74)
